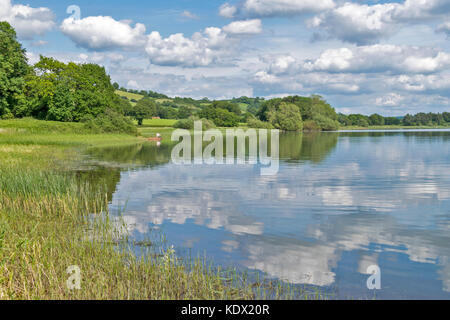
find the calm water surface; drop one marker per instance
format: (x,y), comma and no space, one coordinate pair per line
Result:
(340,203)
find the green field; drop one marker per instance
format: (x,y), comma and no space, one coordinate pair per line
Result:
(130,96)
(158,123)
(51,133)
(37,126)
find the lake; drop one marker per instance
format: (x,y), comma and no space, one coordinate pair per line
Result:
(341,202)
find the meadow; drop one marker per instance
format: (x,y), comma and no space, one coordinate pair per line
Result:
(130,96)
(158,123)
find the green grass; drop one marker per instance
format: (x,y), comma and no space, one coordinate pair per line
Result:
(30,125)
(49,133)
(162,100)
(158,123)
(71,139)
(129,95)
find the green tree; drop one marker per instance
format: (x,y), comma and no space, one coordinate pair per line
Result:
(226,105)
(359,120)
(325,123)
(344,120)
(320,106)
(87,86)
(220,117)
(183,112)
(62,106)
(286,116)
(92,89)
(376,120)
(13,69)
(446,116)
(144,109)
(40,87)
(225,118)
(313,108)
(126,108)
(267,107)
(392,121)
(408,120)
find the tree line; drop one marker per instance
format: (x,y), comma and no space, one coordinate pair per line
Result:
(292,113)
(419,119)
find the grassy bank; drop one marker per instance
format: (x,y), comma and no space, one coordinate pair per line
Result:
(47,225)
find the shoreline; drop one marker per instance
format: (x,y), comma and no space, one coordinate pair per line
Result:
(393,128)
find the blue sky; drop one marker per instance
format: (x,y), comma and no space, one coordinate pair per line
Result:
(389,57)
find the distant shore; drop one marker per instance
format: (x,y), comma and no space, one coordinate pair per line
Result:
(357,128)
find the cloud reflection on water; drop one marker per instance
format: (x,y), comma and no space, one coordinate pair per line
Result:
(371,195)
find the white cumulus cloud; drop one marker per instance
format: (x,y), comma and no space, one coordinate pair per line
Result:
(102,33)
(284,7)
(28,22)
(380,58)
(201,49)
(366,24)
(244,27)
(390,100)
(227,11)
(436,83)
(265,77)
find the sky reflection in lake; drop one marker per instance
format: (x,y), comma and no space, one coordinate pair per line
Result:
(340,203)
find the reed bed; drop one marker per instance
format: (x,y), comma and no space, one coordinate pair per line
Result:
(48,222)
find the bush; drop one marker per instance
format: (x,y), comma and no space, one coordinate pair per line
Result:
(220,117)
(286,116)
(311,125)
(189,123)
(325,123)
(258,124)
(376,120)
(7,115)
(109,122)
(184,124)
(359,120)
